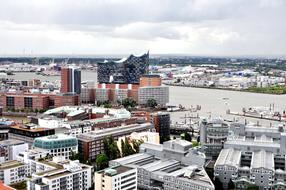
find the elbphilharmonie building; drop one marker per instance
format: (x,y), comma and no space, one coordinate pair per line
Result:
(124,71)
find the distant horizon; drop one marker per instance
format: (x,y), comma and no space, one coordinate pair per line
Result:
(150,55)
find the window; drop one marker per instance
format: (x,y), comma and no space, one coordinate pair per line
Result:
(10,101)
(28,102)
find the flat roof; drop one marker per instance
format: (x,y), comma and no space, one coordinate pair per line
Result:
(37,129)
(110,131)
(10,164)
(10,142)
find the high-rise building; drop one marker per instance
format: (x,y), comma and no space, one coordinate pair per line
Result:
(161,122)
(71,80)
(124,71)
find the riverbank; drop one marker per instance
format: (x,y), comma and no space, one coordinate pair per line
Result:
(259,90)
(268,90)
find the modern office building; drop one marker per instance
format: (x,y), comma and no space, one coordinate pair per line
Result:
(115,178)
(28,133)
(253,155)
(13,172)
(124,71)
(161,122)
(57,145)
(69,175)
(9,149)
(213,134)
(70,80)
(173,165)
(91,144)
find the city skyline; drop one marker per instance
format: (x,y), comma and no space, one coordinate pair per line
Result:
(214,28)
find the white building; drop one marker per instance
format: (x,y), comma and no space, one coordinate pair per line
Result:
(173,165)
(13,172)
(71,175)
(115,178)
(253,155)
(9,149)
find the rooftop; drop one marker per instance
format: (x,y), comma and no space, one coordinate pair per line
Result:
(11,142)
(262,159)
(110,131)
(116,170)
(10,164)
(229,157)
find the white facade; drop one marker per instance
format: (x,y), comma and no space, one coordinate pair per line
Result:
(13,172)
(72,175)
(12,148)
(116,178)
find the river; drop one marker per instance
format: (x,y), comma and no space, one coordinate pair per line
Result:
(213,102)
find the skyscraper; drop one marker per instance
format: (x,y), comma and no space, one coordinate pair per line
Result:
(71,80)
(124,71)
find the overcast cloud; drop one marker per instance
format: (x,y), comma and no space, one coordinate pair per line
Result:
(195,27)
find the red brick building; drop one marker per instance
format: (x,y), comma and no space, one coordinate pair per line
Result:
(65,80)
(37,101)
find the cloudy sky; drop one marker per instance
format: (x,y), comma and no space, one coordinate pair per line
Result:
(194,27)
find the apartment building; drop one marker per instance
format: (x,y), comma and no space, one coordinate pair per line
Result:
(116,178)
(69,175)
(57,145)
(13,172)
(91,144)
(253,155)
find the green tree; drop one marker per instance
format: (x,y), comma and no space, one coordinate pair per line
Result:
(186,136)
(114,151)
(151,103)
(74,156)
(126,148)
(195,144)
(129,103)
(110,148)
(136,145)
(129,147)
(101,162)
(106,147)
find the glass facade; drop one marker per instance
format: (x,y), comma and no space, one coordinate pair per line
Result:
(52,144)
(125,71)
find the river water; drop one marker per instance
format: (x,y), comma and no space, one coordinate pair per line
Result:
(213,102)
